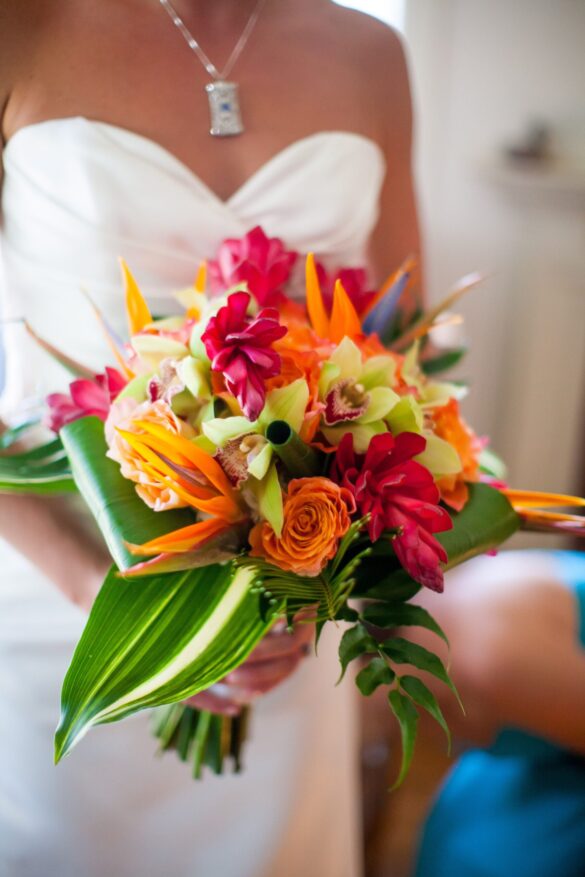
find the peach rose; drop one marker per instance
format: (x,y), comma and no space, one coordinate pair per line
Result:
(316,515)
(123,415)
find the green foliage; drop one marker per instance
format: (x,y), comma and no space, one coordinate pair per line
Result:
(401,615)
(42,470)
(421,694)
(156,641)
(443,362)
(407,718)
(374,674)
(118,510)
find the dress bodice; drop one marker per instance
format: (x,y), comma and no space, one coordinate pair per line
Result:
(78,194)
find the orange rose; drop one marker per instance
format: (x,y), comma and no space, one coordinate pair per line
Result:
(449,425)
(316,515)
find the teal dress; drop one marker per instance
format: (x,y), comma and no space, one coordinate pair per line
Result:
(517,809)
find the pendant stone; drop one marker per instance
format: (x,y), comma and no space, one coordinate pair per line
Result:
(224,109)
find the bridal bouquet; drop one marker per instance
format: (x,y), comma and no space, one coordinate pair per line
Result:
(259,458)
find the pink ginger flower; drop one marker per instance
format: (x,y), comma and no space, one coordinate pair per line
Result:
(240,348)
(85,398)
(400,495)
(353,280)
(257,260)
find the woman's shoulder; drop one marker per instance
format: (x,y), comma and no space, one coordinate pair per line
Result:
(367,38)
(21,25)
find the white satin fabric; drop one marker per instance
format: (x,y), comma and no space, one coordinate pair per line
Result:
(77,194)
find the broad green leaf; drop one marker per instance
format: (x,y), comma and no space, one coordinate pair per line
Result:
(402,615)
(487,520)
(376,673)
(118,510)
(355,642)
(156,641)
(41,470)
(9,436)
(402,651)
(424,697)
(407,717)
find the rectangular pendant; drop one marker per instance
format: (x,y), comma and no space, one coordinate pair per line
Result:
(224,109)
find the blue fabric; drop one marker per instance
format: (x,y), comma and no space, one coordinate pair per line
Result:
(518,809)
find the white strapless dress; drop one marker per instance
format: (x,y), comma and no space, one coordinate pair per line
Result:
(77,194)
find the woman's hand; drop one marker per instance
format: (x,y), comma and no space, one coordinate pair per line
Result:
(272,661)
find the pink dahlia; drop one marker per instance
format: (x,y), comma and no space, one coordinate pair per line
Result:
(353,280)
(85,397)
(399,494)
(257,260)
(240,347)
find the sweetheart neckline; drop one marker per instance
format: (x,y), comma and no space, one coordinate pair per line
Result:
(271,162)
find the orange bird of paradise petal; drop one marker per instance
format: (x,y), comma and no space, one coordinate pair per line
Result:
(137,310)
(185,539)
(344,319)
(527,499)
(199,458)
(535,519)
(315,307)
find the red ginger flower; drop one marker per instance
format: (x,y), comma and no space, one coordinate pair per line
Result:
(399,494)
(86,397)
(240,347)
(257,260)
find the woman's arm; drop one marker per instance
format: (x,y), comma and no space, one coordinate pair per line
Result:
(515,652)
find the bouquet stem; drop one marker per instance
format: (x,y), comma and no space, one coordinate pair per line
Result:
(201,737)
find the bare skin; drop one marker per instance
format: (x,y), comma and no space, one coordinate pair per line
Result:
(309,66)
(515,651)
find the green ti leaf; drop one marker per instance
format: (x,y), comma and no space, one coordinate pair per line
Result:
(443,362)
(155,641)
(44,469)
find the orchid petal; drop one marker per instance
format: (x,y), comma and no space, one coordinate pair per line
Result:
(259,465)
(439,457)
(221,430)
(269,495)
(378,371)
(362,433)
(348,358)
(406,416)
(287,403)
(382,401)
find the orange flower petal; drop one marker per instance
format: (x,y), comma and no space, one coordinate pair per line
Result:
(137,310)
(344,318)
(185,539)
(541,499)
(315,306)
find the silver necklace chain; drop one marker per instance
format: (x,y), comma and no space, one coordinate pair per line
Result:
(196,48)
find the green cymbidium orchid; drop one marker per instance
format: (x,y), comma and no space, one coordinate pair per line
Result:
(253,460)
(357,395)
